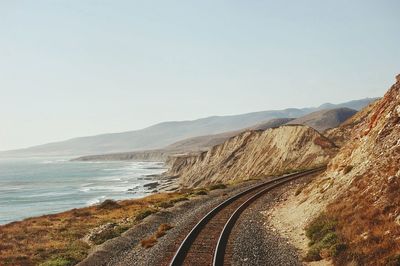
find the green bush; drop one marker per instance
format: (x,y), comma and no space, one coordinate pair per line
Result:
(322,234)
(57,262)
(313,254)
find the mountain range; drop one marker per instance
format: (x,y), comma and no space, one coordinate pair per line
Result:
(163,134)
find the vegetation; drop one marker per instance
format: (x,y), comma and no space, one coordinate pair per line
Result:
(217,186)
(144,213)
(324,241)
(152,240)
(58,239)
(108,205)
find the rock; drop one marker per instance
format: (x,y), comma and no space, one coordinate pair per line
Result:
(152,185)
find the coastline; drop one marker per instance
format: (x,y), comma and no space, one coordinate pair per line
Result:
(32,187)
(73,233)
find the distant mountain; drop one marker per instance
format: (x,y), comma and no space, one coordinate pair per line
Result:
(208,141)
(319,120)
(164,134)
(325,119)
(356,104)
(190,145)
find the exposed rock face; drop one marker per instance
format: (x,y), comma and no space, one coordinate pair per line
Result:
(255,154)
(361,186)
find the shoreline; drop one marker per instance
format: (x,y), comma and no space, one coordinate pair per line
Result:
(158,183)
(47,186)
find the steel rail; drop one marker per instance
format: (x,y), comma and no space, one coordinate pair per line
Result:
(222,243)
(185,246)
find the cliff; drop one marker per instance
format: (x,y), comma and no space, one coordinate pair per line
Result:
(254,154)
(360,189)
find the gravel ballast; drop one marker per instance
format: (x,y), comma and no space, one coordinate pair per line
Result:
(251,242)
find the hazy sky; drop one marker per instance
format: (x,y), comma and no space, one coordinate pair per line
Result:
(71,68)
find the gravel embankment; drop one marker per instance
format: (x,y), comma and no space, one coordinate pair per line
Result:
(127,250)
(252,243)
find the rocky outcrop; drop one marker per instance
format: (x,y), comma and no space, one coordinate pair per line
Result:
(360,188)
(341,134)
(255,154)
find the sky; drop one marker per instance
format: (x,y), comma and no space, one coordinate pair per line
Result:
(71,68)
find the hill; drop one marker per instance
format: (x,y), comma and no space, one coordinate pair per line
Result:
(249,155)
(325,119)
(164,134)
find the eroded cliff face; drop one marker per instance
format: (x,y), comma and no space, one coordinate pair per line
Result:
(254,154)
(360,187)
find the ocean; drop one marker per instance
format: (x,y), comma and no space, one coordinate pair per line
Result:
(37,186)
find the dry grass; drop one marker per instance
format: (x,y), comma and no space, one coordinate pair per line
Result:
(58,239)
(152,240)
(367,221)
(149,242)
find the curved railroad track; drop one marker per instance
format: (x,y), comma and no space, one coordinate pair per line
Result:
(206,243)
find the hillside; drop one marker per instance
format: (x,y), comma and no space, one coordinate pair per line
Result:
(249,155)
(319,120)
(191,145)
(164,134)
(325,119)
(359,191)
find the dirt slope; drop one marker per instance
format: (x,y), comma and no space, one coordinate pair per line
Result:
(255,154)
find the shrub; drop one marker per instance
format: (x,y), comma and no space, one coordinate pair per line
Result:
(108,204)
(148,242)
(336,249)
(152,240)
(57,262)
(217,186)
(105,235)
(179,199)
(122,228)
(199,192)
(164,204)
(144,213)
(322,234)
(313,254)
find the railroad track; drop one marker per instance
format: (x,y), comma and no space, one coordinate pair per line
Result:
(206,243)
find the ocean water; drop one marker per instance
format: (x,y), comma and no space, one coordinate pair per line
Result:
(37,186)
